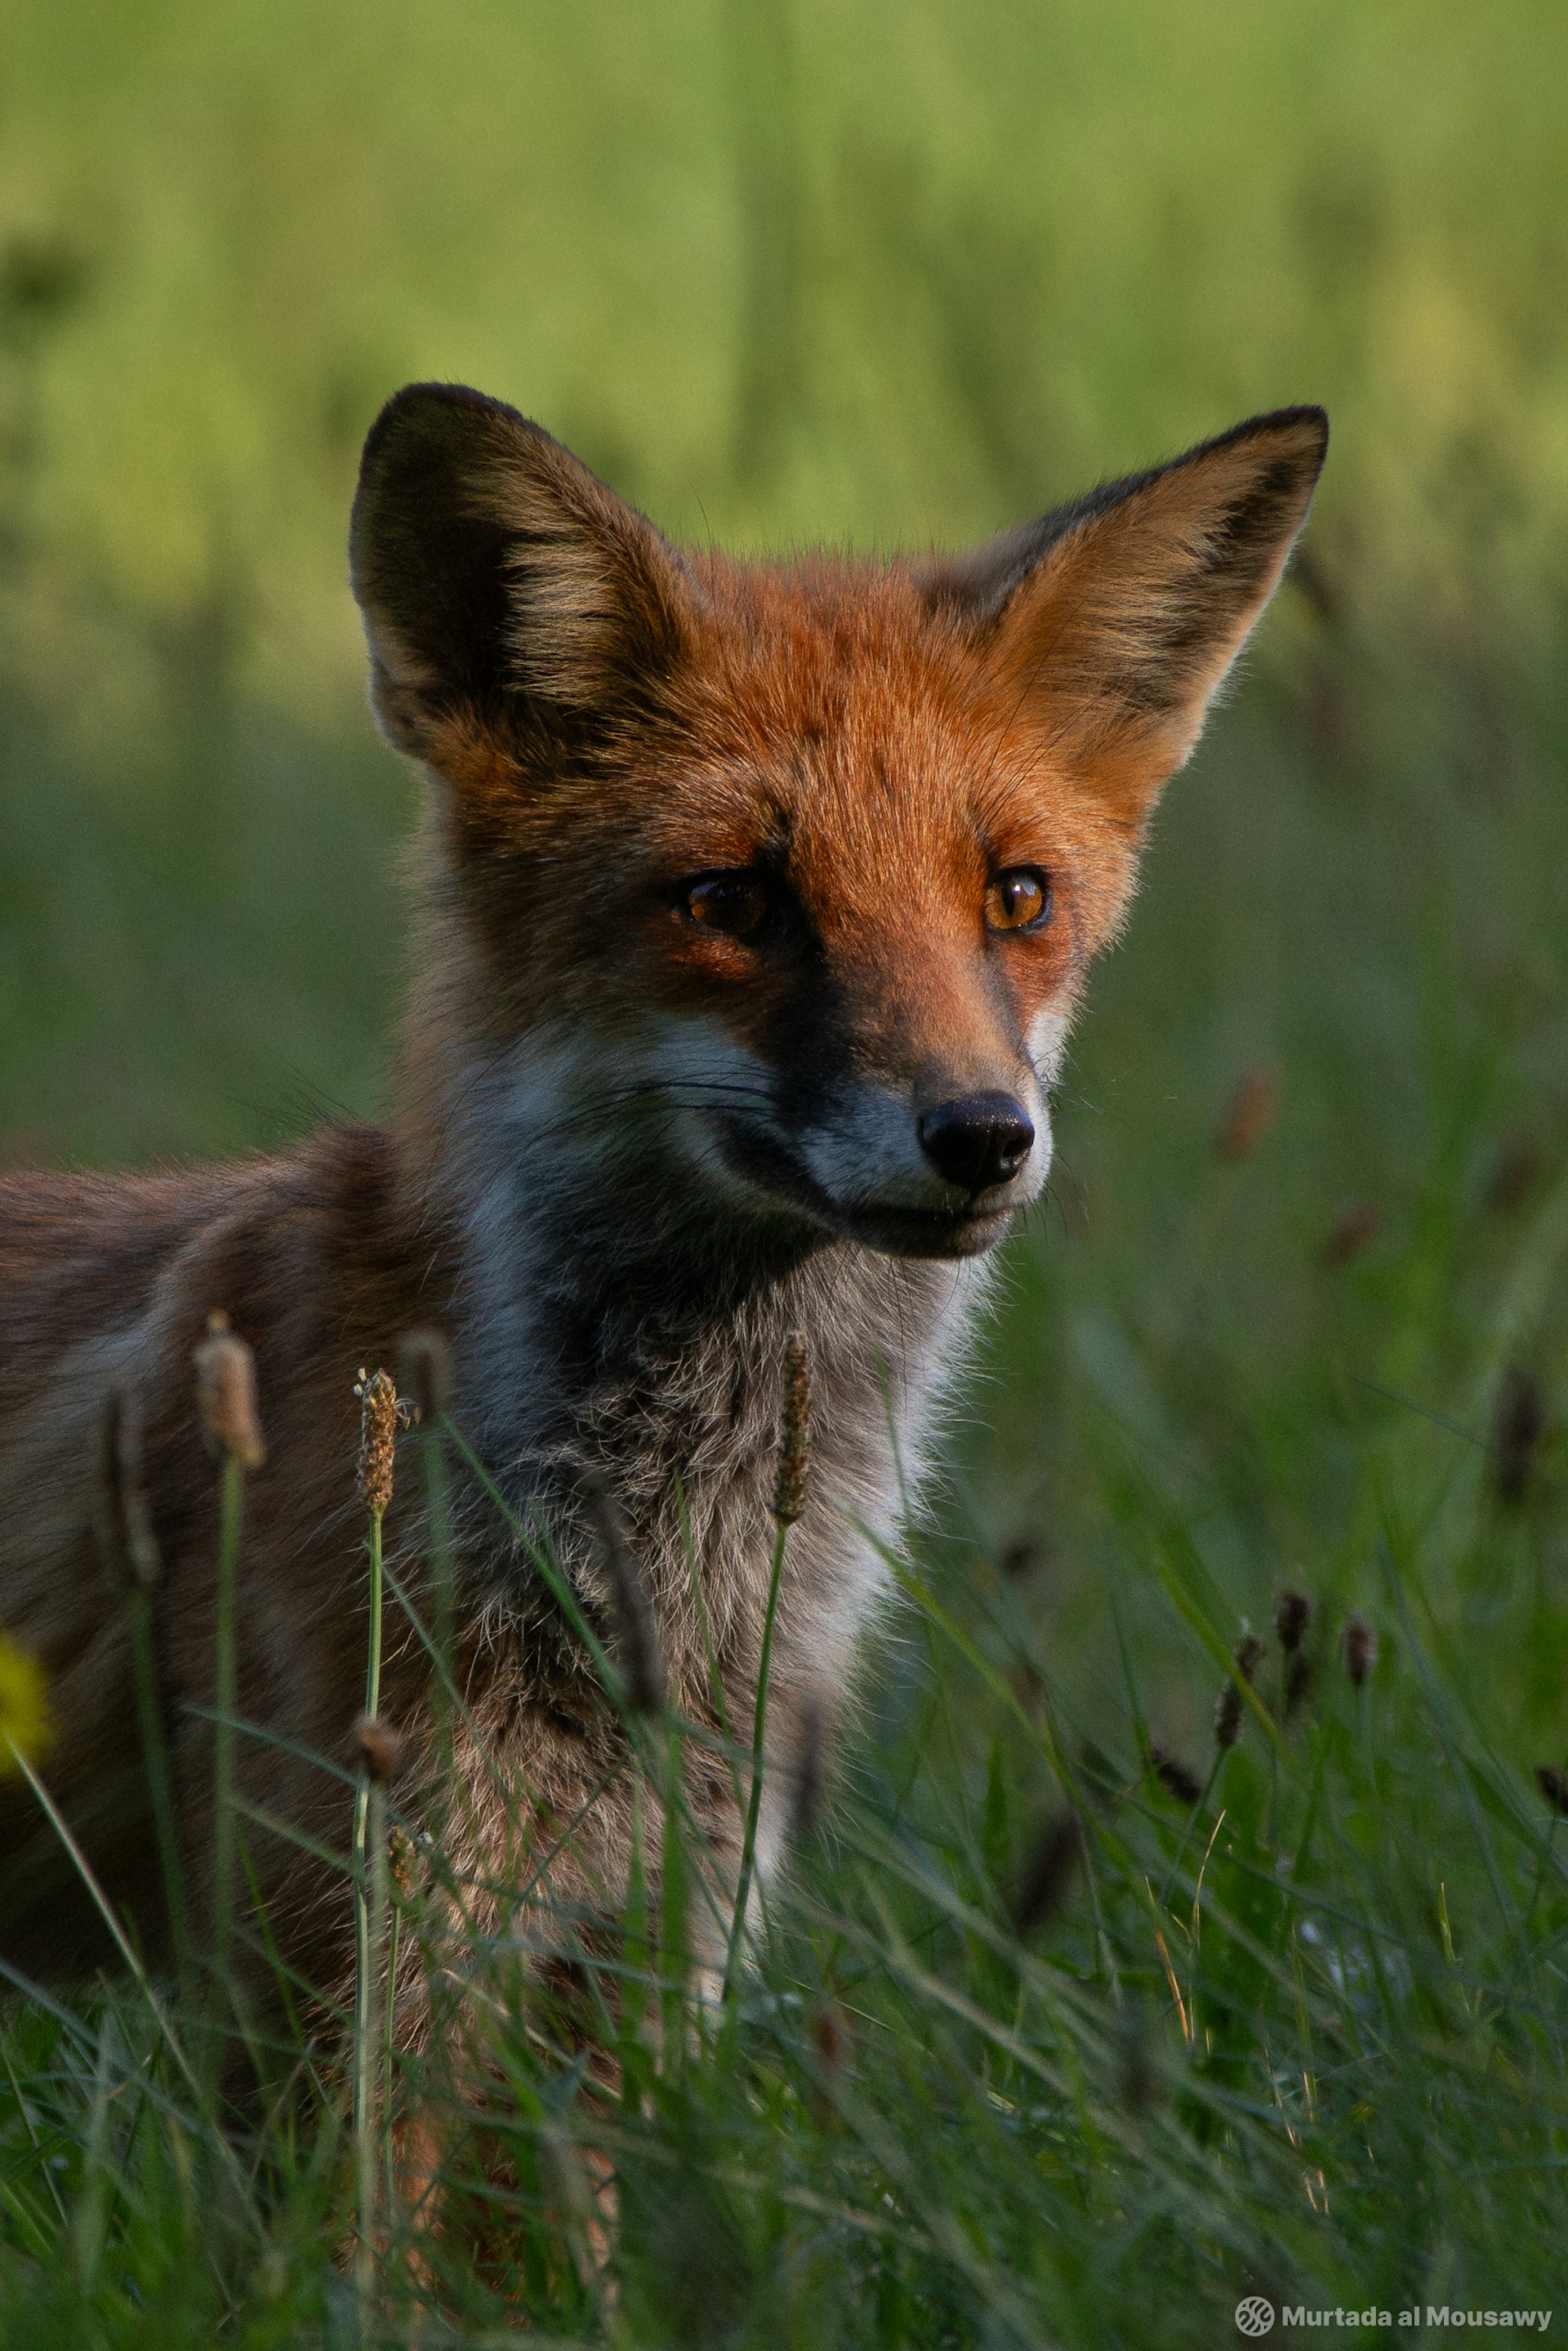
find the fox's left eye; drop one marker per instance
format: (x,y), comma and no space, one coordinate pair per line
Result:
(738,903)
(1017,899)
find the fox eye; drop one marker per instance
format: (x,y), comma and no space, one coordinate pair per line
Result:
(1019,899)
(738,903)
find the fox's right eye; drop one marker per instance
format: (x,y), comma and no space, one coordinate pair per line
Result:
(738,903)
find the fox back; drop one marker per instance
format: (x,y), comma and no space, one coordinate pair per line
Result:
(755,905)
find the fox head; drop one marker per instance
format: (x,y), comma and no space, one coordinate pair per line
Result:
(787,876)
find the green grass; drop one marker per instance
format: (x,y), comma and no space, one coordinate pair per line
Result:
(888,272)
(1304,2037)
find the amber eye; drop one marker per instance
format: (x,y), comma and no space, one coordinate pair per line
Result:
(1018,900)
(738,903)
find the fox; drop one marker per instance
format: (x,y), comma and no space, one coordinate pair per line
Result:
(754,902)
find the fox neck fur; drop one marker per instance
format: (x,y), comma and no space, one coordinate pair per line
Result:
(613,1330)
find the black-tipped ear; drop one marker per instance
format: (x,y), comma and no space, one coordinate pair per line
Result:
(503,588)
(1111,622)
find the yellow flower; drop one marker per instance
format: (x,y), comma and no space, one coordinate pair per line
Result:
(25,1726)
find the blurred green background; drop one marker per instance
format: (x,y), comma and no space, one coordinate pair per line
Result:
(787,271)
(783,272)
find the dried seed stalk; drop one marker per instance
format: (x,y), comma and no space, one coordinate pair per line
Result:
(1229,1707)
(788,1502)
(1516,1432)
(1047,1873)
(794,1433)
(1292,1615)
(1176,1778)
(380,1413)
(424,1371)
(226,1395)
(1359,1648)
(1250,1113)
(231,1423)
(128,1549)
(380,1747)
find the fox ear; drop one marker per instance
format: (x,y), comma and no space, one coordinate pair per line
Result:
(509,597)
(1109,624)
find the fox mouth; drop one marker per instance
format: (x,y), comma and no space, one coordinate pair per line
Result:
(967,1229)
(920,1232)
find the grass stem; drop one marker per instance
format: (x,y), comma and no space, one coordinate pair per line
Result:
(155,1754)
(370,1861)
(758,1736)
(224,1692)
(122,1943)
(438,1543)
(370,2047)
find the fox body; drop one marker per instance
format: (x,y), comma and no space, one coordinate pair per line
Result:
(755,904)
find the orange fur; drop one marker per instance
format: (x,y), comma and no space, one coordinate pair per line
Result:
(632,1152)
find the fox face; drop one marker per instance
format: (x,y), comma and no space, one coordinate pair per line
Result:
(782,882)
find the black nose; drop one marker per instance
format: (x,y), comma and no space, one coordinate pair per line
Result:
(978,1140)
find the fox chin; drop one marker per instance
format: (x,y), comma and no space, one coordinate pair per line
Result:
(754,905)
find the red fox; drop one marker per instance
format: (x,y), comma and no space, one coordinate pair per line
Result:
(755,904)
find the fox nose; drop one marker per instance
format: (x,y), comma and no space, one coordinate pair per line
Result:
(978,1140)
